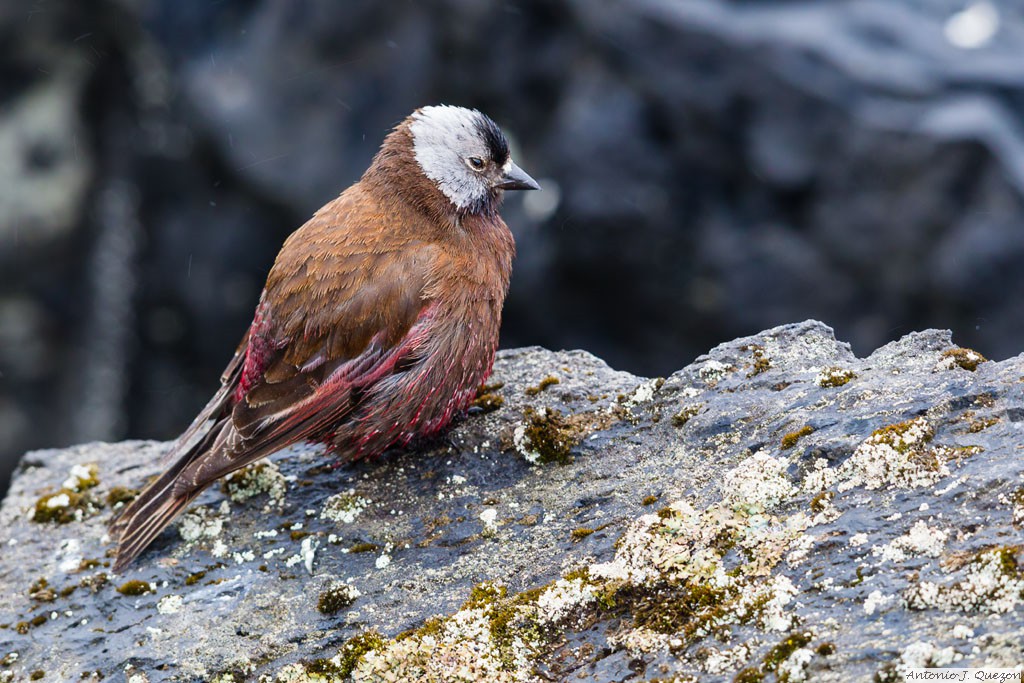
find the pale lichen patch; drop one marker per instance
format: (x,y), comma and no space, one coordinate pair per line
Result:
(640,641)
(489,517)
(758,483)
(1015,499)
(993,582)
(73,502)
(59,500)
(523,446)
(920,655)
(562,598)
(875,600)
(82,477)
(243,556)
(645,392)
(471,645)
(344,507)
(898,456)
(199,523)
(793,669)
(920,540)
(170,604)
(962,631)
(382,561)
(253,480)
(718,661)
(135,676)
(713,371)
(817,480)
(307,552)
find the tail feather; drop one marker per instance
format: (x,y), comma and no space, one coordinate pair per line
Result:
(210,458)
(150,513)
(144,518)
(140,528)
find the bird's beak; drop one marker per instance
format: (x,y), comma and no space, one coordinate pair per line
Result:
(516,178)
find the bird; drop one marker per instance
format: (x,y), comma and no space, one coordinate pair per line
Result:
(377,324)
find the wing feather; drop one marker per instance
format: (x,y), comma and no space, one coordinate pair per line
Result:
(341,310)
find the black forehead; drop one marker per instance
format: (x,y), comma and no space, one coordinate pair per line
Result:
(495,140)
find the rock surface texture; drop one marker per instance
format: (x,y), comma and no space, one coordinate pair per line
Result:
(778,510)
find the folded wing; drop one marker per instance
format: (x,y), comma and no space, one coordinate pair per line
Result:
(327,329)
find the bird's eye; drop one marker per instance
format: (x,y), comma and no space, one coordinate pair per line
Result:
(475,163)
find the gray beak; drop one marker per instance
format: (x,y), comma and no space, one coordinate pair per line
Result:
(516,179)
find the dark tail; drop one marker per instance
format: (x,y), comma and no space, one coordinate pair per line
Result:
(137,528)
(149,514)
(160,502)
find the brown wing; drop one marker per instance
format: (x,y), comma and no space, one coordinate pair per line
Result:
(339,311)
(335,315)
(298,387)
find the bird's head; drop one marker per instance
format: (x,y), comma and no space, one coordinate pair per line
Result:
(465,154)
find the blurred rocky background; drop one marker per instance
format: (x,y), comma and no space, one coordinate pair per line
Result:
(710,168)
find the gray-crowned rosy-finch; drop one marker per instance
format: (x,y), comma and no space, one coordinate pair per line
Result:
(378,321)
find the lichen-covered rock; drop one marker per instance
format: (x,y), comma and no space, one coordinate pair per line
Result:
(742,519)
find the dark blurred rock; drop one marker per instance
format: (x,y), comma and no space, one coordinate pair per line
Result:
(710,168)
(47,178)
(779,506)
(127,257)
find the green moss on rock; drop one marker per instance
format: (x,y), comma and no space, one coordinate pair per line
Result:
(549,435)
(760,362)
(790,439)
(322,666)
(834,377)
(63,507)
(981,424)
(195,578)
(682,610)
(40,591)
(364,548)
(484,594)
(821,501)
(487,403)
(781,652)
(548,381)
(336,598)
(968,359)
(356,648)
(121,494)
(685,414)
(135,587)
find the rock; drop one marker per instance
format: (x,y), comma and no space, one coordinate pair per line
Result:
(779,508)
